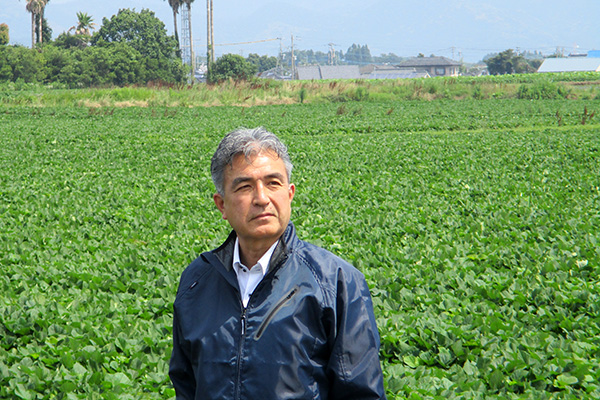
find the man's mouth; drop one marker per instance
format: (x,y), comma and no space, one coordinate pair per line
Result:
(263,216)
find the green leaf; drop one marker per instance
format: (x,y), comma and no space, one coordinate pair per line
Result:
(564,380)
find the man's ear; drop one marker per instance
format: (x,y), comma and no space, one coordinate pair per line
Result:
(220,203)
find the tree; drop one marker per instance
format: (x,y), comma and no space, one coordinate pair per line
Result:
(42,26)
(175,4)
(46,32)
(502,63)
(83,32)
(67,41)
(508,62)
(85,24)
(5,66)
(4,38)
(147,34)
(535,63)
(21,63)
(35,8)
(357,54)
(39,25)
(390,58)
(352,54)
(116,64)
(263,63)
(231,66)
(142,31)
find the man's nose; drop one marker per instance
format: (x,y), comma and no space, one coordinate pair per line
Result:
(260,195)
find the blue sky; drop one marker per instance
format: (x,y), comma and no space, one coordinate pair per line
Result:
(467,29)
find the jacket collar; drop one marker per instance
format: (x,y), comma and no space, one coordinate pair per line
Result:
(285,246)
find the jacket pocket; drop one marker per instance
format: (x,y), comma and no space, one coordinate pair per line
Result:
(280,304)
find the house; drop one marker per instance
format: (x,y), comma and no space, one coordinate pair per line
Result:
(316,72)
(421,67)
(277,73)
(435,66)
(570,64)
(391,72)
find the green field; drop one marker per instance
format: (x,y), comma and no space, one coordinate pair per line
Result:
(476,223)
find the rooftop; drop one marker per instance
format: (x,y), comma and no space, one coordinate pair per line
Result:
(433,61)
(570,64)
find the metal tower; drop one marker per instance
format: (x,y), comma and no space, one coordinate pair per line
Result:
(187,51)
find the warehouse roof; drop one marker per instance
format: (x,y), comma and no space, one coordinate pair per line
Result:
(433,61)
(570,64)
(328,72)
(396,73)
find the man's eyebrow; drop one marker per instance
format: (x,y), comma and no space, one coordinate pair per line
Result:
(239,180)
(275,175)
(242,179)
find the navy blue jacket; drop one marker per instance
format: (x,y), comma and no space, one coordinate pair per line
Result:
(308,331)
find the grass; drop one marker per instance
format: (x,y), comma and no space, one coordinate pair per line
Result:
(267,92)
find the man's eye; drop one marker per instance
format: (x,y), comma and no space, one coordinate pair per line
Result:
(242,188)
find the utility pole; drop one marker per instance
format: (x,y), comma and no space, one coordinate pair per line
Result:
(280,59)
(212,35)
(293,60)
(210,39)
(332,60)
(209,44)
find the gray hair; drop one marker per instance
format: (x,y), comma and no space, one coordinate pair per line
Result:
(247,142)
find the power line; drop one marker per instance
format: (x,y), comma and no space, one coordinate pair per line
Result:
(240,43)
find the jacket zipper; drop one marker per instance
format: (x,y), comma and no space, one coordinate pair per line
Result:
(274,311)
(238,383)
(243,321)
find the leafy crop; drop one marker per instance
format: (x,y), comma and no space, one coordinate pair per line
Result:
(475,222)
(482,253)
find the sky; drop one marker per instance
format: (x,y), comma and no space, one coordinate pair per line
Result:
(464,30)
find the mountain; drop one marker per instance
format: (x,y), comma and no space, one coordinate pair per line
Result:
(467,28)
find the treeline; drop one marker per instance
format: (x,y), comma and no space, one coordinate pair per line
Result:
(511,62)
(355,55)
(129,48)
(107,65)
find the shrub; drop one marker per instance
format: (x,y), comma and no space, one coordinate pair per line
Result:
(231,66)
(541,90)
(302,95)
(360,94)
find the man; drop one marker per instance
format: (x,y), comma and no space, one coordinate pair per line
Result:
(266,315)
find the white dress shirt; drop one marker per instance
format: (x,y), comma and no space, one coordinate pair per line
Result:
(249,278)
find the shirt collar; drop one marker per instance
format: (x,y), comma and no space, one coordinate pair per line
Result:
(263,262)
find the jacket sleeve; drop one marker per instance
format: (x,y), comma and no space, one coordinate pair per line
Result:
(180,367)
(354,368)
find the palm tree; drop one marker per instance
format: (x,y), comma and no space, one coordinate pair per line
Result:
(41,18)
(175,4)
(35,8)
(85,24)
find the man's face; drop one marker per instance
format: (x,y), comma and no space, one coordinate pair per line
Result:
(257,198)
